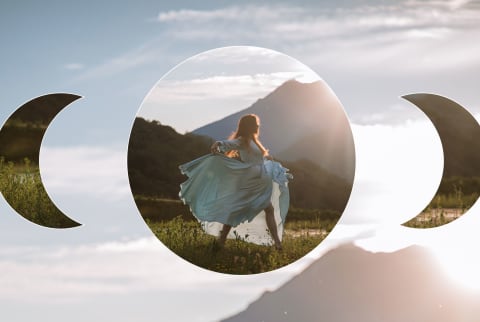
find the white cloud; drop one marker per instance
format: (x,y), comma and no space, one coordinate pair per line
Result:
(406,37)
(398,169)
(74,66)
(395,34)
(240,87)
(450,4)
(46,274)
(100,172)
(187,105)
(217,83)
(235,13)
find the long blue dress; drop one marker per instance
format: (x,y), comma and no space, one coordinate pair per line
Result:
(222,190)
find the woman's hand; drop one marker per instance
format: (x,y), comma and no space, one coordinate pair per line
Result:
(268,157)
(214,148)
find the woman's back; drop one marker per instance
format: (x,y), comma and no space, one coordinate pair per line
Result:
(248,153)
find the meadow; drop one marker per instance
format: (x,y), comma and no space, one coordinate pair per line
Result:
(448,205)
(174,225)
(187,239)
(21,185)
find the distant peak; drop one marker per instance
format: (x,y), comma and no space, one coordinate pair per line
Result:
(293,86)
(293,82)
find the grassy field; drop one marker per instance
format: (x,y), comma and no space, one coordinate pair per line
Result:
(188,240)
(22,187)
(443,209)
(174,225)
(435,217)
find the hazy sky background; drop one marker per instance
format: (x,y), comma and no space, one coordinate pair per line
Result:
(214,84)
(112,53)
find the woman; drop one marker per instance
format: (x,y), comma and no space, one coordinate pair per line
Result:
(237,187)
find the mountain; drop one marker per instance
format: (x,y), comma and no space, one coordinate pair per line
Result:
(22,133)
(349,284)
(155,151)
(299,121)
(459,133)
(315,188)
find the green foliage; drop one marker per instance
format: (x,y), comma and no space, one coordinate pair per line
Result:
(315,188)
(155,151)
(188,240)
(20,140)
(22,188)
(434,218)
(454,197)
(296,214)
(459,185)
(159,209)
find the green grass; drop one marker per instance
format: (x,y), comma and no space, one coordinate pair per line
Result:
(189,241)
(443,209)
(160,209)
(435,217)
(22,188)
(174,225)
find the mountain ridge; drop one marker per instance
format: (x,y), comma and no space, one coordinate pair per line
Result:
(349,284)
(298,112)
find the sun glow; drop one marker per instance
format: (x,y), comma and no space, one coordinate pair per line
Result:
(456,247)
(462,265)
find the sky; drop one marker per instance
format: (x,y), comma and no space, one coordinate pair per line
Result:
(214,84)
(113,53)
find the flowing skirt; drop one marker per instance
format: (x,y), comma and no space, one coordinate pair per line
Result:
(222,190)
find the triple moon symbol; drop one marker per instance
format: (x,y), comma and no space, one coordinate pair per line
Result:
(460,136)
(21,137)
(20,179)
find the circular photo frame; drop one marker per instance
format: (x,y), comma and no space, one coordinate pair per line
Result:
(241,160)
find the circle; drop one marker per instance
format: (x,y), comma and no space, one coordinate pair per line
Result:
(222,194)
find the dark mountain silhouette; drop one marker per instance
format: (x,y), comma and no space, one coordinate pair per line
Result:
(155,152)
(349,284)
(315,188)
(300,121)
(23,132)
(461,143)
(42,109)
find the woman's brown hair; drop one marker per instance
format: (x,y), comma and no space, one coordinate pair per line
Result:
(247,130)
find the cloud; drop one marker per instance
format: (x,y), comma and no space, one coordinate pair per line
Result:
(220,82)
(46,274)
(401,38)
(307,21)
(398,169)
(99,172)
(189,104)
(450,4)
(74,66)
(371,34)
(247,88)
(236,13)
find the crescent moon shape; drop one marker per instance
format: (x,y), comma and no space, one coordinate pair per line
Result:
(460,137)
(20,179)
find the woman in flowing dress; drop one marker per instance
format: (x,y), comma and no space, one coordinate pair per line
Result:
(237,185)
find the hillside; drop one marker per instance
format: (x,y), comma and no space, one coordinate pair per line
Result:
(23,132)
(155,152)
(461,144)
(349,284)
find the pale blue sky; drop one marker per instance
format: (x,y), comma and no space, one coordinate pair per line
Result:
(369,52)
